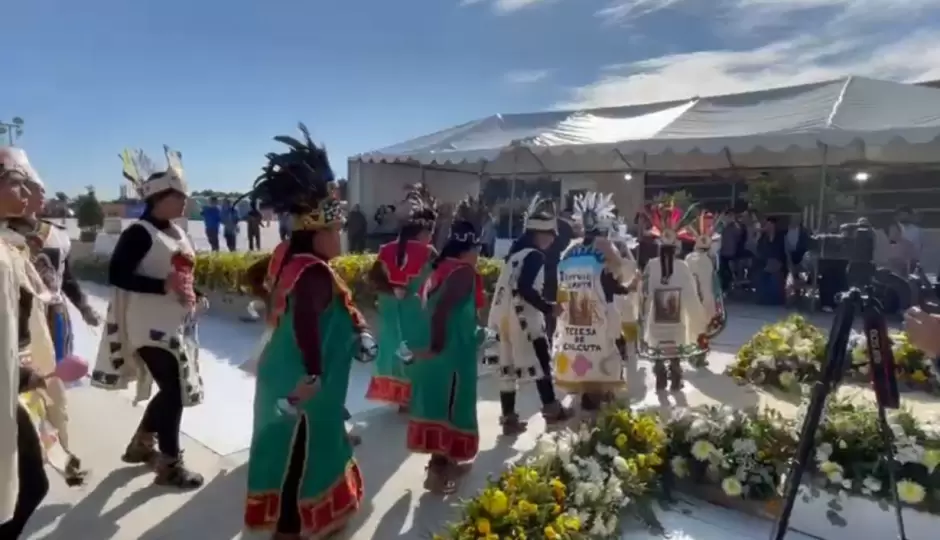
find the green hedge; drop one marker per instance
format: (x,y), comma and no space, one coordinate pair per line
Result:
(224,272)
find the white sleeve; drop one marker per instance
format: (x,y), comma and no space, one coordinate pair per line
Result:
(9,385)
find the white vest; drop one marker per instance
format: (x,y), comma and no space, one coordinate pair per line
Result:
(138,320)
(517,323)
(585,350)
(673,314)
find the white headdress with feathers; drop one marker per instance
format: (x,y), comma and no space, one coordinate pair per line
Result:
(541,215)
(140,171)
(595,211)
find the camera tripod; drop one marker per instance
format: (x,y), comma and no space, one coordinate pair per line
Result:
(881,365)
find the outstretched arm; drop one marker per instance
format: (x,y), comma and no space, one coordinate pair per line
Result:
(311,296)
(71,289)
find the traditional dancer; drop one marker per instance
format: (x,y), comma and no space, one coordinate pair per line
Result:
(518,315)
(150,333)
(23,480)
(628,305)
(47,247)
(704,267)
(588,341)
(401,268)
(303,481)
(444,396)
(672,311)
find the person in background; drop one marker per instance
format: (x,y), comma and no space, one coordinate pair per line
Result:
(283,225)
(356,229)
(647,248)
(911,230)
(771,265)
(900,253)
(442,229)
(254,222)
(796,242)
(230,225)
(731,233)
(488,248)
(212,219)
(562,240)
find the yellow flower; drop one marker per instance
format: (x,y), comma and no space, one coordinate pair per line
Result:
(526,508)
(483,526)
(621,441)
(919,376)
(702,449)
(732,486)
(550,533)
(556,509)
(911,492)
(571,523)
(495,502)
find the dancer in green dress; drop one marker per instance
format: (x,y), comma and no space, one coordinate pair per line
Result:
(444,395)
(398,273)
(302,479)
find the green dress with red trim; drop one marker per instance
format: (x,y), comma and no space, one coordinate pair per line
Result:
(444,397)
(330,484)
(401,320)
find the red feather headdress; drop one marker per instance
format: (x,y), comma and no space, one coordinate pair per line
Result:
(669,223)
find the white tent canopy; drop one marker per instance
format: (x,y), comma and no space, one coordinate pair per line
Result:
(853,119)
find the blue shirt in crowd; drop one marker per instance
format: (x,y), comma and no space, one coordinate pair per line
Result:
(212,217)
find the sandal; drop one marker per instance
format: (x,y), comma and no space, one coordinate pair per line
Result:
(512,425)
(438,480)
(172,472)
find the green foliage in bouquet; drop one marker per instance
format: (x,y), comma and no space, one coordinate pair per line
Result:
(225,272)
(912,367)
(782,354)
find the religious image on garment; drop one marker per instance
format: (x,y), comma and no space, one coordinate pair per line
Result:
(581,308)
(667,306)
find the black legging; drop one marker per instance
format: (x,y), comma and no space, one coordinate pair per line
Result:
(164,413)
(544,385)
(289,520)
(34,484)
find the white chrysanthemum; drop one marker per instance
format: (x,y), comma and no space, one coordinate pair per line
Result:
(832,470)
(823,452)
(620,464)
(911,492)
(872,484)
(787,379)
(680,467)
(702,449)
(732,487)
(744,447)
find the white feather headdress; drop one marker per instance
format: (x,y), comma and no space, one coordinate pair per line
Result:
(140,171)
(541,215)
(595,211)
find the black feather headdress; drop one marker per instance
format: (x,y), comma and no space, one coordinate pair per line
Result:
(422,206)
(470,216)
(300,181)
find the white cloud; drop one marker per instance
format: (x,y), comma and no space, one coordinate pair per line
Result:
(850,38)
(530,76)
(505,7)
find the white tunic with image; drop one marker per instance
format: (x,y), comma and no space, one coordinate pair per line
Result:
(585,348)
(138,320)
(672,311)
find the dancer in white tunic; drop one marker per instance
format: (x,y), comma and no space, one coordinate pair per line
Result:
(672,312)
(704,266)
(586,352)
(23,481)
(48,247)
(518,316)
(628,305)
(150,330)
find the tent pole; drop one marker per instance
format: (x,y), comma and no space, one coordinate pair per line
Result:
(512,189)
(819,217)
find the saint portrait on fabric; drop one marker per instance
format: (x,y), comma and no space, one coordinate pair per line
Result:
(667,306)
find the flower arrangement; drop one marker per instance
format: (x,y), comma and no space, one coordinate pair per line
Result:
(580,484)
(575,487)
(850,454)
(742,451)
(912,367)
(783,354)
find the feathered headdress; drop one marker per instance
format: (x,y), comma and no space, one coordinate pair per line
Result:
(470,215)
(300,182)
(139,170)
(541,215)
(423,206)
(702,228)
(669,223)
(14,160)
(595,211)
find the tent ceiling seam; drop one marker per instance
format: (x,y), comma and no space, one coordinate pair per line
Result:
(838,104)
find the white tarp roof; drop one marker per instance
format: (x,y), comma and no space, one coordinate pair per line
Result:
(858,119)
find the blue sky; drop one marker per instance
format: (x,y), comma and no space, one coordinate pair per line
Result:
(217,80)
